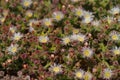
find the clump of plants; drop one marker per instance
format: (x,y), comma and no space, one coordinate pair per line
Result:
(59,39)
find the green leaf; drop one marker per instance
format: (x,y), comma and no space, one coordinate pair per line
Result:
(103,47)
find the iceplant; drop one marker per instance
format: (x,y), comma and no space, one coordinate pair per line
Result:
(26,3)
(79,74)
(114,36)
(107,73)
(116,51)
(43,39)
(88,76)
(17,36)
(66,40)
(12,49)
(78,12)
(115,10)
(87,52)
(56,68)
(87,17)
(12,29)
(47,22)
(58,15)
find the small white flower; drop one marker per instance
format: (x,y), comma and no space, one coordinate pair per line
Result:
(66,40)
(13,29)
(88,14)
(78,12)
(29,13)
(79,74)
(115,36)
(12,49)
(47,22)
(88,76)
(73,37)
(56,69)
(81,37)
(5,13)
(2,19)
(75,0)
(58,15)
(91,1)
(27,77)
(87,52)
(107,73)
(87,20)
(31,29)
(116,51)
(109,19)
(118,19)
(96,23)
(115,10)
(75,31)
(17,36)
(78,37)
(33,21)
(26,3)
(87,17)
(43,39)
